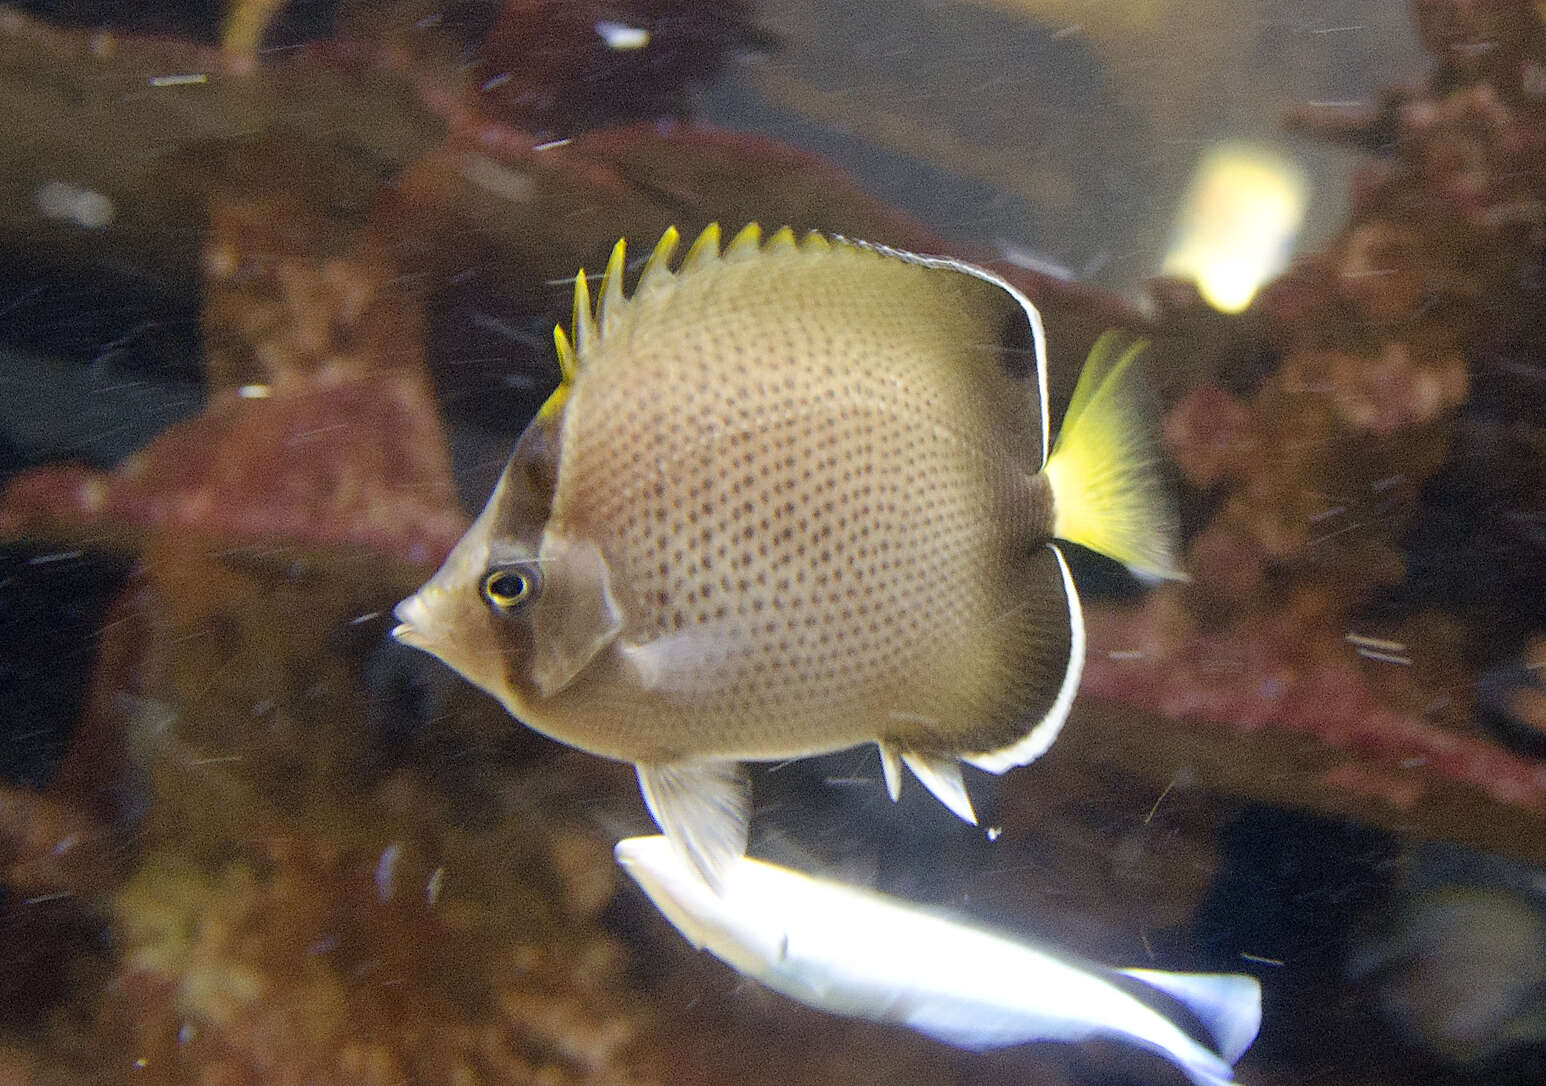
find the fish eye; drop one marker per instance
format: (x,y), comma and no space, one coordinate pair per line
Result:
(508,588)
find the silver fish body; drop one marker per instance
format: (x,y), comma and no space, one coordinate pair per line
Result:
(853,952)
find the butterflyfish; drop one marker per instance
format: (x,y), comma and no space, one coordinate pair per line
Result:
(792,496)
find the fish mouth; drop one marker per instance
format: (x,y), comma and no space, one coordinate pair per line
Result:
(412,617)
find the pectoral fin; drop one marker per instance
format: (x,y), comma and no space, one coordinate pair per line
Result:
(703,808)
(688,664)
(577,616)
(942,776)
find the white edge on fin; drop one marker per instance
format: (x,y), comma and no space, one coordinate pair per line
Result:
(1227,1004)
(1039,332)
(1035,742)
(704,808)
(942,776)
(891,767)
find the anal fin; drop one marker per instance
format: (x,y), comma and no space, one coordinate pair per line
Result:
(703,808)
(942,776)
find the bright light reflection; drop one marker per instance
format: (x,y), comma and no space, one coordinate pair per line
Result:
(1237,223)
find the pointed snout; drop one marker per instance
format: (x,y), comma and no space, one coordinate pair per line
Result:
(413,618)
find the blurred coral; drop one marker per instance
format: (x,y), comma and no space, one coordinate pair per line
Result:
(47,845)
(366,953)
(555,71)
(1319,473)
(1479,39)
(1511,698)
(1208,435)
(1455,964)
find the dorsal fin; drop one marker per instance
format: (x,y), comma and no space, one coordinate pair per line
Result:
(782,240)
(657,269)
(565,354)
(703,251)
(612,284)
(583,320)
(566,363)
(589,326)
(746,244)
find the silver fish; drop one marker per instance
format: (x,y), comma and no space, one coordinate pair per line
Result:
(853,952)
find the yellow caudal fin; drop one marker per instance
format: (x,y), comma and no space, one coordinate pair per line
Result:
(1108,492)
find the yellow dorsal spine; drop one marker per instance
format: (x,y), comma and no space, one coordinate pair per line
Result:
(612,284)
(746,244)
(566,362)
(702,251)
(584,323)
(782,241)
(565,354)
(589,325)
(657,269)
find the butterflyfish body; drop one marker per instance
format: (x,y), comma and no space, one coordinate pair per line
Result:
(790,497)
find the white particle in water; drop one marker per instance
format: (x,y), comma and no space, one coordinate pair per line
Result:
(74,203)
(386,866)
(621,35)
